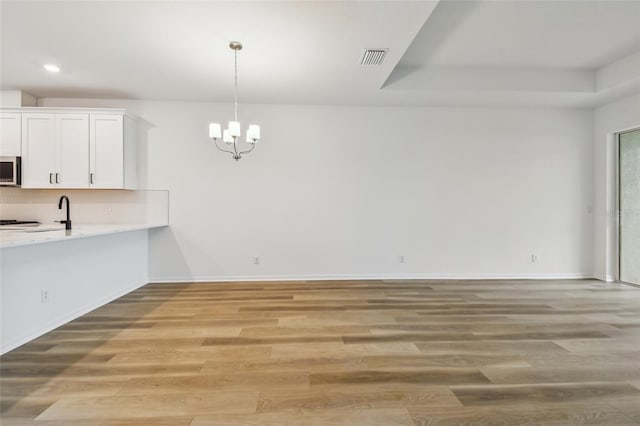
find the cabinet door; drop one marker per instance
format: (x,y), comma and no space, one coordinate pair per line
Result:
(72,157)
(38,150)
(10,134)
(106,151)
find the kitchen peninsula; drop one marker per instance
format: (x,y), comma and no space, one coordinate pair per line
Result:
(13,237)
(50,275)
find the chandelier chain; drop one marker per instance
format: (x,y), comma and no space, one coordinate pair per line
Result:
(235,84)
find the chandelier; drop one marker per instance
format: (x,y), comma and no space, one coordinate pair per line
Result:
(231,135)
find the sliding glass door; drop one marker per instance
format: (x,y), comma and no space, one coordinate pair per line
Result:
(629,206)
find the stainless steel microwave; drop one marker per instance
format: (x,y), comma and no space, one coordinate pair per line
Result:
(10,168)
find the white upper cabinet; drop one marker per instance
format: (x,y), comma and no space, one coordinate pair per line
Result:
(55,150)
(10,134)
(106,142)
(112,149)
(78,148)
(38,150)
(72,160)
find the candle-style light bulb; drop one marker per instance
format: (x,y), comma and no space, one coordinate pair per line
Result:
(234,128)
(215,131)
(226,137)
(254,129)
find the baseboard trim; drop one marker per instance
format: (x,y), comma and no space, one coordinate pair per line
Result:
(327,277)
(33,334)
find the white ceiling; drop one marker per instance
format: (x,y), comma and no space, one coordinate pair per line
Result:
(539,34)
(560,53)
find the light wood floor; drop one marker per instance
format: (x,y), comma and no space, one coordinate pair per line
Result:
(338,353)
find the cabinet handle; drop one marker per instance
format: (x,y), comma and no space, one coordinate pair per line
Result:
(51,178)
(91,178)
(57,177)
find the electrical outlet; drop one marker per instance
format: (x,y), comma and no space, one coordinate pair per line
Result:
(401,259)
(44,296)
(256,260)
(534,258)
(107,210)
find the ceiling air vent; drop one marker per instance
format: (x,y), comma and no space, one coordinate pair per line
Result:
(373,56)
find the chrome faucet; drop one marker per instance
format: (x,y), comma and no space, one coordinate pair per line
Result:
(67,223)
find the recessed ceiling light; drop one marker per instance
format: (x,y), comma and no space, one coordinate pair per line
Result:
(52,68)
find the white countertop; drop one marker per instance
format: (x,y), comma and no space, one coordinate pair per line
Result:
(14,236)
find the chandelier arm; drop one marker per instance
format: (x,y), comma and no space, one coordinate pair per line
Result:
(247,151)
(223,150)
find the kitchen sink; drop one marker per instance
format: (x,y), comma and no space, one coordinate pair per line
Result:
(42,229)
(31,228)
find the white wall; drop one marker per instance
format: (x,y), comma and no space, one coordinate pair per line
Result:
(17,98)
(616,116)
(79,275)
(86,206)
(344,191)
